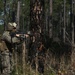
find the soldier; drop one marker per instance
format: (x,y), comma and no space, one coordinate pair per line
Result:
(9,38)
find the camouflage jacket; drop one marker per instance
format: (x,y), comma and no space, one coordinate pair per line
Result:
(7,37)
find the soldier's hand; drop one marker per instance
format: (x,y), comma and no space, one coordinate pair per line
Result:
(17,35)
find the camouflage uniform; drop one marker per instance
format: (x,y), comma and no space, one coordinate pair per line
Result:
(5,62)
(6,52)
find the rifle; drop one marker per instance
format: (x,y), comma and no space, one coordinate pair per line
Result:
(22,35)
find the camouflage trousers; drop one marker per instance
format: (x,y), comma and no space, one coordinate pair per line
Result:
(6,59)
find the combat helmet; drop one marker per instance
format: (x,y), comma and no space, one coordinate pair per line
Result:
(14,25)
(10,26)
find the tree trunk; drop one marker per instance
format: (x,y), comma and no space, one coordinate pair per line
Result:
(50,18)
(16,60)
(4,14)
(64,21)
(73,46)
(23,59)
(72,22)
(18,15)
(36,62)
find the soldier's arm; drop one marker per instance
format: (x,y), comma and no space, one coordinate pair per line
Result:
(6,36)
